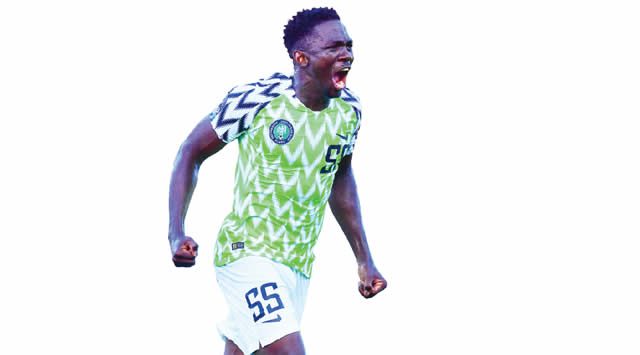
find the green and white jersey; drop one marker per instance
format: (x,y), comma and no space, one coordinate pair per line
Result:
(288,156)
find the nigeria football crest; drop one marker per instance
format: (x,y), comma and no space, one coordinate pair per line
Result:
(281,131)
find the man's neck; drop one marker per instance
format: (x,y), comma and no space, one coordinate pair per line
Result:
(308,92)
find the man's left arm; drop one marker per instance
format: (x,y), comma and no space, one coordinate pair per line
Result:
(345,206)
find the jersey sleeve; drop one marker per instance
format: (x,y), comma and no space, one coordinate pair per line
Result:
(349,97)
(235,114)
(228,120)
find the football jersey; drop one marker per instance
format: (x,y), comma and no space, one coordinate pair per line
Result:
(288,157)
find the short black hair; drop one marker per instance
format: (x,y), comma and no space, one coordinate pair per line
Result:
(300,25)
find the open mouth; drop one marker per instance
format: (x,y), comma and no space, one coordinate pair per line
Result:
(340,78)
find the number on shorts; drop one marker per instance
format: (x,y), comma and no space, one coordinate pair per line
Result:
(269,298)
(252,304)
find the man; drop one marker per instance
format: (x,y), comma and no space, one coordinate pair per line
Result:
(296,137)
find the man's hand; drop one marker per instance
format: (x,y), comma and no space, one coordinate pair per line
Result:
(371,281)
(184,250)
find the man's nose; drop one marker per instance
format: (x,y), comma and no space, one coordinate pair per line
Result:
(346,54)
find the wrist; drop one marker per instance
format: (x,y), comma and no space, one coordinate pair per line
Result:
(176,235)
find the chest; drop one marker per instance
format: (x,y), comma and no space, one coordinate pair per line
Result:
(301,139)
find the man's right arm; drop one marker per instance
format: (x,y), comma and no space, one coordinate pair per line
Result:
(201,143)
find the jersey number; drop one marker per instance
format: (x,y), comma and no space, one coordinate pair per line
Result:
(269,298)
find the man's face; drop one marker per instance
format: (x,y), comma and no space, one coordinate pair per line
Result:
(330,53)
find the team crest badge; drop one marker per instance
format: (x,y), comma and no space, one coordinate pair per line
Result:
(281,131)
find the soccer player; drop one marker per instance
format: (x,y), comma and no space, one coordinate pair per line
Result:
(296,137)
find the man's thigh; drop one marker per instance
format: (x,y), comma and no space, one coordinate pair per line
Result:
(288,345)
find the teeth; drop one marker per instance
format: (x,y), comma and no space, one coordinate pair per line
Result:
(345,70)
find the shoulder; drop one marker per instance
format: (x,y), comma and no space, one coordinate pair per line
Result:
(352,99)
(262,90)
(243,102)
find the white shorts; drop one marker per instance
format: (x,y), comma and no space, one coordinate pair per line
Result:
(265,298)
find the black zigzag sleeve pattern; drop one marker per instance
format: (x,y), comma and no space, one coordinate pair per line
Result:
(349,97)
(236,112)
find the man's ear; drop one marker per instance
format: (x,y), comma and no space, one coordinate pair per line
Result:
(300,58)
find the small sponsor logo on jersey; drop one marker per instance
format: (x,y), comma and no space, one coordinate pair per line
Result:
(237,245)
(274,320)
(281,131)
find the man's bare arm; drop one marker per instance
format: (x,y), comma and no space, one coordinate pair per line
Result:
(345,206)
(201,143)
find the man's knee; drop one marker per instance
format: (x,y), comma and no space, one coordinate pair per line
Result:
(290,344)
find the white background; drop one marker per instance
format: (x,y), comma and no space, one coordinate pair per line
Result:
(498,168)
